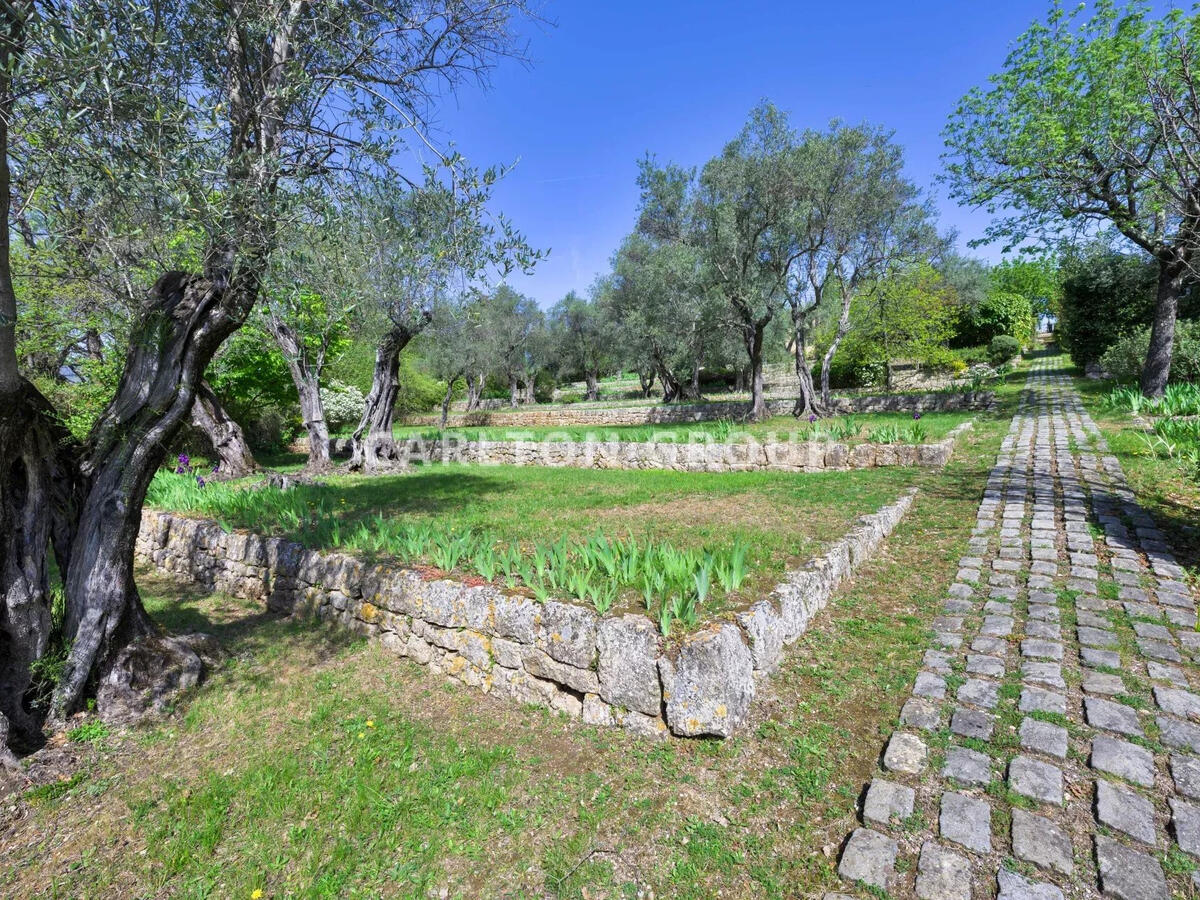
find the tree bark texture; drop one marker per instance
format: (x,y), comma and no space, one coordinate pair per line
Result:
(372,447)
(843,327)
(183,322)
(1157,370)
(307,379)
(592,380)
(753,336)
(228,441)
(39,494)
(807,403)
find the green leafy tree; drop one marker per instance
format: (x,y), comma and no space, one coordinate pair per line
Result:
(1093,120)
(582,338)
(214,118)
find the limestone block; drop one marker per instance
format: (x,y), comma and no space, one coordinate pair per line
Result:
(627,664)
(708,689)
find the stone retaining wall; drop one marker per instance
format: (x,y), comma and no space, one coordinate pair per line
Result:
(579,414)
(709,456)
(613,670)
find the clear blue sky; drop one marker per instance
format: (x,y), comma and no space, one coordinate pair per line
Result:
(611,80)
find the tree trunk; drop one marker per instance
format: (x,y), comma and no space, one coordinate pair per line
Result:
(754,343)
(235,460)
(183,322)
(530,384)
(447,398)
(695,386)
(307,378)
(372,447)
(39,485)
(646,381)
(1157,369)
(670,384)
(514,391)
(593,385)
(474,391)
(843,327)
(806,403)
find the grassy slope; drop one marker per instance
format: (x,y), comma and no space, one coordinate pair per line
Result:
(783,428)
(1162,485)
(272,778)
(783,517)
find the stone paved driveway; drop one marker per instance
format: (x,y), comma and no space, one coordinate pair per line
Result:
(1051,746)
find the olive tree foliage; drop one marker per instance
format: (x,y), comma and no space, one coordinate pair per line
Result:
(417,250)
(743,215)
(456,349)
(1093,120)
(310,302)
(514,331)
(212,118)
(854,220)
(583,338)
(666,312)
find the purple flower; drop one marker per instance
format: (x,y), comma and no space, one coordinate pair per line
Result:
(812,418)
(184,459)
(916,415)
(199,481)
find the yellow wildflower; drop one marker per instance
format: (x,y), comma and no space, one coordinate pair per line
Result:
(256,894)
(370,723)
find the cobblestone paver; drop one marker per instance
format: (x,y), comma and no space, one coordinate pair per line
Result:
(1051,748)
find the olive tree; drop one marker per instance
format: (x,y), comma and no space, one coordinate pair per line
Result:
(1093,120)
(417,248)
(216,116)
(582,338)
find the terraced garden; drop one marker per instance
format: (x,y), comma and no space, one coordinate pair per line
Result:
(683,547)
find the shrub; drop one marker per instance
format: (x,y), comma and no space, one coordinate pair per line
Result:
(272,430)
(1124,359)
(418,391)
(1003,348)
(344,405)
(1000,313)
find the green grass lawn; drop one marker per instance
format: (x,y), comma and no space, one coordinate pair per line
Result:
(1167,487)
(311,765)
(878,427)
(781,518)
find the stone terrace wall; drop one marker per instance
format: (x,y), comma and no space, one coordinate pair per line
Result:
(710,456)
(613,670)
(581,415)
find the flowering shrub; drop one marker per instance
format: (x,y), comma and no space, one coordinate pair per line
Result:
(344,405)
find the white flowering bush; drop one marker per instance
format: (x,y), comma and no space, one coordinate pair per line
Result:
(344,405)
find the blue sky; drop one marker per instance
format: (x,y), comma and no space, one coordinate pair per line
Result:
(611,80)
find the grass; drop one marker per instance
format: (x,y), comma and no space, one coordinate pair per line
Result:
(318,766)
(875,427)
(1166,484)
(548,529)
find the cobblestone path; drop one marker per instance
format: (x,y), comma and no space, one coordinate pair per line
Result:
(1051,746)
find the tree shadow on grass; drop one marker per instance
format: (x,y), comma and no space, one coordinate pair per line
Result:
(243,628)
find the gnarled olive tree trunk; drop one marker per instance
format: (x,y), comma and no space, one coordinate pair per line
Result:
(306,376)
(843,328)
(372,446)
(646,381)
(807,403)
(39,495)
(592,379)
(182,323)
(226,436)
(475,384)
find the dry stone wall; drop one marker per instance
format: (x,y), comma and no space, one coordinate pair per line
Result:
(583,415)
(707,456)
(612,670)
